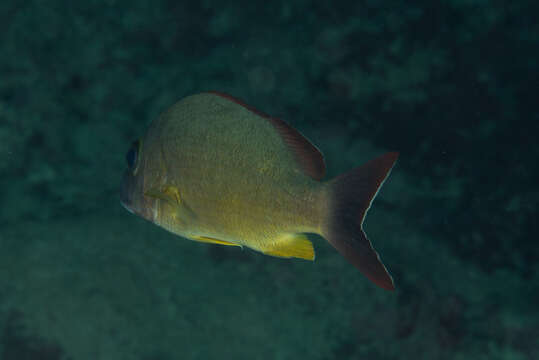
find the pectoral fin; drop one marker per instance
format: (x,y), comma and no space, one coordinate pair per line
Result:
(292,245)
(166,193)
(214,241)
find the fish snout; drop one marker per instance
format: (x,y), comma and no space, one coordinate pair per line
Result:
(133,199)
(126,189)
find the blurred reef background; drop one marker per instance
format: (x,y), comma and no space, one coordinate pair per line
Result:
(452,85)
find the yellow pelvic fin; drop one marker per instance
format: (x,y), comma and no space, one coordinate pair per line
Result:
(292,245)
(167,193)
(214,241)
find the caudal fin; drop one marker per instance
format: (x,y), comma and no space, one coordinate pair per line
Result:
(351,197)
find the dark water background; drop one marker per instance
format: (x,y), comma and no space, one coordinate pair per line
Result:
(452,85)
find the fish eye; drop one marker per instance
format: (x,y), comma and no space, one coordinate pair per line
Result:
(132,156)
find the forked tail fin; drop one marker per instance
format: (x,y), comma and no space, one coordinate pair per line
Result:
(351,197)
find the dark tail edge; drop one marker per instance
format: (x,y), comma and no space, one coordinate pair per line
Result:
(352,195)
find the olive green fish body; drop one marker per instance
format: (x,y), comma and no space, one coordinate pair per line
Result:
(235,173)
(215,170)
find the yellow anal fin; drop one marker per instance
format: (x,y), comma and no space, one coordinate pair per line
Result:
(167,193)
(292,245)
(213,241)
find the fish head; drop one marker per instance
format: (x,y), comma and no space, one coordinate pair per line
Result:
(137,178)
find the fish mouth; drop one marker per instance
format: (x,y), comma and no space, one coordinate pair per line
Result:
(126,207)
(128,195)
(124,194)
(133,200)
(149,212)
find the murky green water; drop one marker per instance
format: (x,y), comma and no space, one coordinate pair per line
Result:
(451,86)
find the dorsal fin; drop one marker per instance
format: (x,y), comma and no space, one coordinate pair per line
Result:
(306,154)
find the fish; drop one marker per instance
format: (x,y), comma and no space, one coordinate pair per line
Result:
(215,170)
